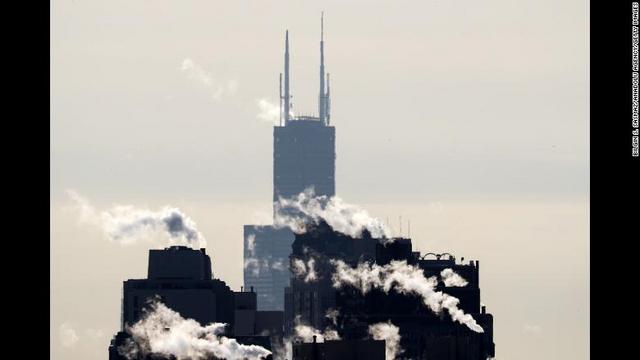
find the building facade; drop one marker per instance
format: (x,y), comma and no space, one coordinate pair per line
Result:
(424,334)
(181,278)
(304,158)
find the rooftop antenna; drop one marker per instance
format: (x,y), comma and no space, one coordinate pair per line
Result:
(400,225)
(280,102)
(322,106)
(328,101)
(409,225)
(287,95)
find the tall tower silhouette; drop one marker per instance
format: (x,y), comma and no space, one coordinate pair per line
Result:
(303,157)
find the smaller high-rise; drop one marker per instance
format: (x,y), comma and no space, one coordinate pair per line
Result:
(181,278)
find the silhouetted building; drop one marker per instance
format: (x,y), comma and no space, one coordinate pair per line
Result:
(424,334)
(365,349)
(181,278)
(303,157)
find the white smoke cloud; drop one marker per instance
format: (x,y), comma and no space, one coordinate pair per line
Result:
(305,271)
(278,265)
(256,265)
(391,336)
(268,111)
(218,89)
(253,264)
(333,315)
(405,279)
(306,333)
(251,245)
(68,335)
(451,278)
(306,208)
(284,351)
(164,331)
(125,224)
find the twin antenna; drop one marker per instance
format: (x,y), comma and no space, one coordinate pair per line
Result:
(324,100)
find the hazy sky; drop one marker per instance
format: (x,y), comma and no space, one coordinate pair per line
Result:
(468,117)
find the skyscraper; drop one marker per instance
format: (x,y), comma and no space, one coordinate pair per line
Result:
(181,279)
(303,157)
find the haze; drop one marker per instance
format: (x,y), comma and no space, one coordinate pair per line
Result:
(468,118)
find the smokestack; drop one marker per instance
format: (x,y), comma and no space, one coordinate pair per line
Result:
(322,107)
(287,95)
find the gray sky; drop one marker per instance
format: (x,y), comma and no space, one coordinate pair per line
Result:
(470,118)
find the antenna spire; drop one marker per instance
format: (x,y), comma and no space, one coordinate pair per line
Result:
(322,97)
(287,95)
(328,101)
(322,26)
(280,102)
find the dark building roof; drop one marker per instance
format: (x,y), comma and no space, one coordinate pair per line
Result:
(179,262)
(424,334)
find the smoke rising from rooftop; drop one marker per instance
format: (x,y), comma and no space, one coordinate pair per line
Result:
(305,271)
(126,224)
(391,336)
(333,315)
(451,278)
(164,331)
(218,89)
(306,332)
(306,208)
(405,279)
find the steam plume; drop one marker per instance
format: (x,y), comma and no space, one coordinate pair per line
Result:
(391,336)
(251,245)
(451,278)
(333,315)
(256,265)
(306,333)
(127,224)
(268,111)
(68,335)
(164,331)
(196,73)
(306,208)
(405,279)
(305,271)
